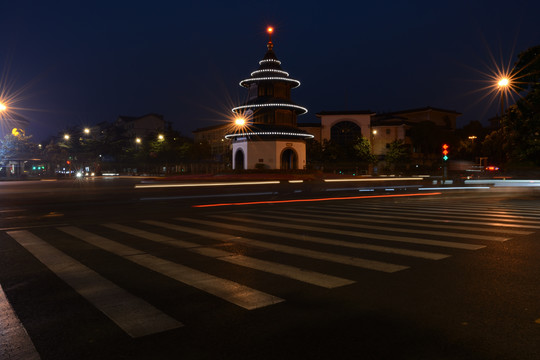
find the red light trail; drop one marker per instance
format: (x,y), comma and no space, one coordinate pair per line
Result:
(313,200)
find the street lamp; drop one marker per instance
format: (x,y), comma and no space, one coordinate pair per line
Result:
(372,139)
(161,137)
(66,137)
(3,107)
(138,140)
(240,121)
(503,84)
(86,131)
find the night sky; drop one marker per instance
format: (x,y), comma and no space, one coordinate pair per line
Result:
(84,62)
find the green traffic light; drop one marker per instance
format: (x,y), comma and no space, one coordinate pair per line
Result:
(445,157)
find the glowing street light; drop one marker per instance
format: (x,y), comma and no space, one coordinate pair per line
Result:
(87,131)
(240,121)
(138,140)
(161,137)
(3,107)
(503,84)
(66,137)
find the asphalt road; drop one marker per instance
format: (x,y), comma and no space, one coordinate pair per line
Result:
(102,269)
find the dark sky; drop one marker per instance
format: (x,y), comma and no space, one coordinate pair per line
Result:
(83,62)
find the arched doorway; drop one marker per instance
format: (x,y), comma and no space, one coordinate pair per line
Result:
(239,160)
(289,160)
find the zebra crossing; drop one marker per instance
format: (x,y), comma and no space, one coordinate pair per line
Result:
(373,236)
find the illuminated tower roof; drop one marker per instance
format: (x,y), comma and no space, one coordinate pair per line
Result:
(265,134)
(269,93)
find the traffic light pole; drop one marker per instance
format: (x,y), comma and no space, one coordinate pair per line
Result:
(445,172)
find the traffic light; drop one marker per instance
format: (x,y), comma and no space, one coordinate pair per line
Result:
(445,152)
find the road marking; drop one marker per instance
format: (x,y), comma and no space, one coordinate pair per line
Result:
(403,239)
(30,227)
(230,291)
(369,217)
(205,196)
(499,210)
(321,240)
(445,213)
(494,212)
(440,216)
(15,343)
(373,227)
(132,314)
(292,272)
(347,260)
(197,184)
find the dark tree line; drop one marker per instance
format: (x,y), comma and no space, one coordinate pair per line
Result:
(109,149)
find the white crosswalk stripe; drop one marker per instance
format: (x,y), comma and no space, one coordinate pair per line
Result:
(426,222)
(365,226)
(493,211)
(346,260)
(134,315)
(235,293)
(485,209)
(14,340)
(321,240)
(403,239)
(292,272)
(437,213)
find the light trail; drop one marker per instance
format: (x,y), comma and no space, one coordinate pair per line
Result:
(313,200)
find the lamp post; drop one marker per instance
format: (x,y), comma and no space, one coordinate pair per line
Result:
(372,166)
(503,86)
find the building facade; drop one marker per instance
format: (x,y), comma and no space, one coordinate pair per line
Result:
(414,128)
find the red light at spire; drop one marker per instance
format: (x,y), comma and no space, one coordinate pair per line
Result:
(270,30)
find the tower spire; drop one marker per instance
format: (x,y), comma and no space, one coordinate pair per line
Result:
(270,30)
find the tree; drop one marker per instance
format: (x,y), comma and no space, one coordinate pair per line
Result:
(363,151)
(17,146)
(470,139)
(519,136)
(527,68)
(398,155)
(314,152)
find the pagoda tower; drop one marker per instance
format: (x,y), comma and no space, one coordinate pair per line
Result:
(265,133)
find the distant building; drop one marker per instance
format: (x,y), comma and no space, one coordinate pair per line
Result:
(139,127)
(214,136)
(397,125)
(343,127)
